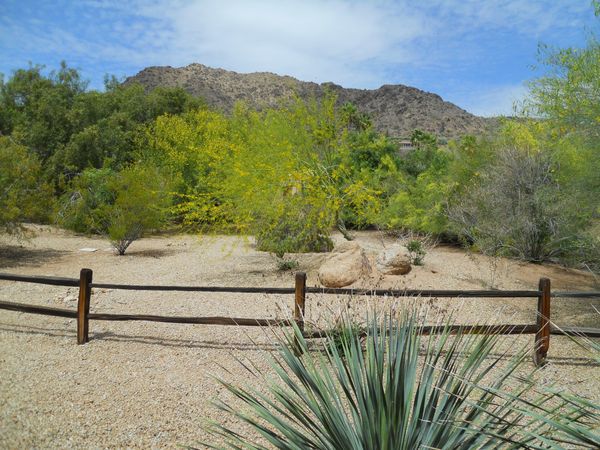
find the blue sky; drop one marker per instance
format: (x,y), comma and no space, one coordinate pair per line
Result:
(475,53)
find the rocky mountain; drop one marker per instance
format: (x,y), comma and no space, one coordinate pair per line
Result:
(395,109)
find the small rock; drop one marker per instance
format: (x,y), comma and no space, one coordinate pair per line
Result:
(70,298)
(394,261)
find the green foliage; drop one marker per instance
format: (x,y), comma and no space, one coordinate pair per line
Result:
(518,208)
(287,175)
(71,129)
(140,205)
(23,195)
(522,203)
(36,107)
(537,194)
(87,194)
(298,229)
(290,175)
(120,205)
(387,387)
(354,119)
(568,98)
(284,265)
(416,252)
(109,129)
(419,200)
(568,94)
(424,156)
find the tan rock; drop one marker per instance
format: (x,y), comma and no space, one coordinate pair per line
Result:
(346,264)
(394,261)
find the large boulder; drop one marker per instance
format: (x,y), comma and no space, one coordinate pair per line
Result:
(346,264)
(394,261)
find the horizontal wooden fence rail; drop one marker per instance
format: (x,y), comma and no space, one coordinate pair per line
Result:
(196,320)
(55,281)
(542,328)
(33,309)
(576,294)
(425,293)
(239,290)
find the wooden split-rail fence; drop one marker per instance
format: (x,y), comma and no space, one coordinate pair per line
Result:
(542,329)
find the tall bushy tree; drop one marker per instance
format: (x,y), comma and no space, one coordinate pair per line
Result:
(119,205)
(568,97)
(37,107)
(538,197)
(23,194)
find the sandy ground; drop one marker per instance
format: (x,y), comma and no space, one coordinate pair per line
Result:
(147,385)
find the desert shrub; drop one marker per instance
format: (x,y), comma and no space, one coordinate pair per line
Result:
(141,201)
(386,386)
(416,252)
(80,205)
(119,205)
(518,208)
(297,229)
(286,264)
(24,196)
(585,250)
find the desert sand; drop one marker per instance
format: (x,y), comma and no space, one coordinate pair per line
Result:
(150,385)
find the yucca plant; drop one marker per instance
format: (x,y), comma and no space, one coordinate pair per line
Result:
(388,387)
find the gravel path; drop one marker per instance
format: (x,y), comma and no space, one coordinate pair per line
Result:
(151,385)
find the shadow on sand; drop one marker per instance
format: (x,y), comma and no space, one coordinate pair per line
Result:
(150,253)
(248,345)
(17,255)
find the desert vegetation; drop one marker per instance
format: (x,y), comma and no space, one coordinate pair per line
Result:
(125,161)
(302,177)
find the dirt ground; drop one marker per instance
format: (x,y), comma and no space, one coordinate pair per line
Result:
(150,385)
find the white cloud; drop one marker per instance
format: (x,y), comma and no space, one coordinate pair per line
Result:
(315,40)
(354,43)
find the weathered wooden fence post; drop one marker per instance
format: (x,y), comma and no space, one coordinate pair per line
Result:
(83,306)
(542,337)
(299,306)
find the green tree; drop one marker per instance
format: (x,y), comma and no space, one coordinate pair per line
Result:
(119,205)
(140,205)
(36,107)
(23,194)
(108,128)
(423,186)
(568,97)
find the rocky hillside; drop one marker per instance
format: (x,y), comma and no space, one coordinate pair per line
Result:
(396,109)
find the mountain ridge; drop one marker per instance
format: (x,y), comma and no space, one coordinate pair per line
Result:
(395,109)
